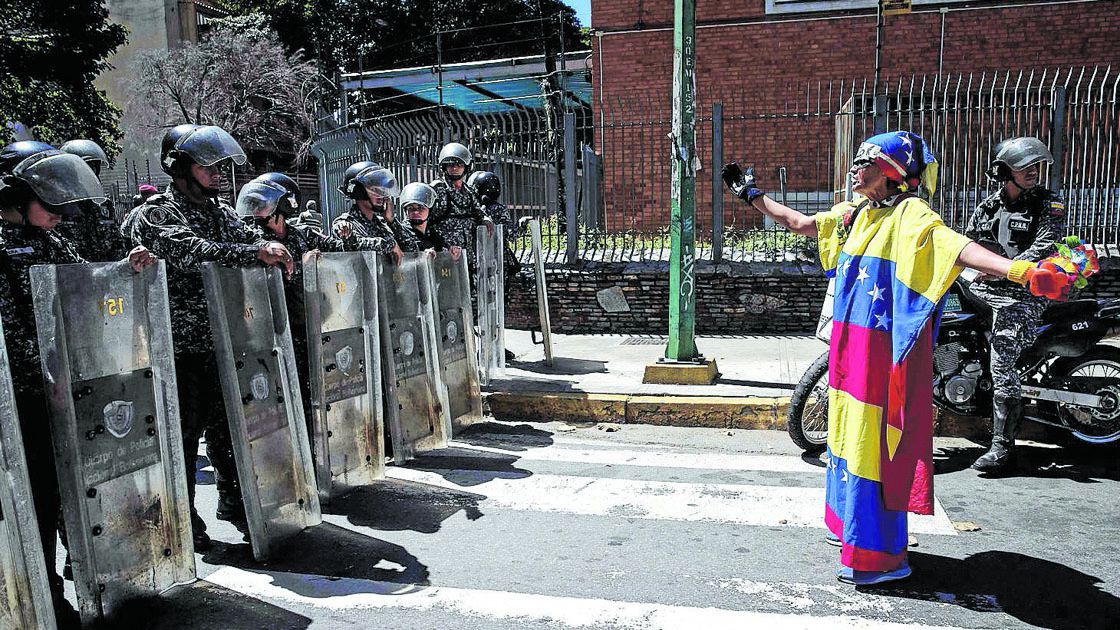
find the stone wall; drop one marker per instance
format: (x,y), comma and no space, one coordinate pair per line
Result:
(732,298)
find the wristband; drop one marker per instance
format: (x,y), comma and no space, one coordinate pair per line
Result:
(1018,271)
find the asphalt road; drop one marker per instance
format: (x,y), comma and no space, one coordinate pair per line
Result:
(637,527)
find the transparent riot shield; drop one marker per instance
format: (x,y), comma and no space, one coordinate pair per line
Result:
(105,342)
(542,289)
(256,363)
(417,419)
(25,596)
(451,287)
(491,304)
(344,349)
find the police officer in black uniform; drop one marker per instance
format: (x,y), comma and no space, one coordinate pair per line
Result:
(371,188)
(487,188)
(457,211)
(187,225)
(417,200)
(94,231)
(1022,221)
(38,187)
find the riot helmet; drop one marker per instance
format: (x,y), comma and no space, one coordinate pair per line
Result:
(486,185)
(417,194)
(378,181)
(350,188)
(452,153)
(1017,154)
(89,151)
(17,152)
(60,181)
(204,145)
(261,199)
(289,206)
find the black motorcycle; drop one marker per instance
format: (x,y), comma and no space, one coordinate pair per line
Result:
(1070,379)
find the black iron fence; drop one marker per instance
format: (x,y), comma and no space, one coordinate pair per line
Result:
(599,179)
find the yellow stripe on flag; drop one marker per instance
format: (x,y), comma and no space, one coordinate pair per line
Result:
(853,433)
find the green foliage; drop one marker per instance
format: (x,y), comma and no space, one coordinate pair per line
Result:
(50,53)
(379,34)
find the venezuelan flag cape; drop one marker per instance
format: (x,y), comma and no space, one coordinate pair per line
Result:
(892,267)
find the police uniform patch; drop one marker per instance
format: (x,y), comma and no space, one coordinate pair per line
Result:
(157,215)
(1057,209)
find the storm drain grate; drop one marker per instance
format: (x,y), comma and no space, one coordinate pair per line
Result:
(645,341)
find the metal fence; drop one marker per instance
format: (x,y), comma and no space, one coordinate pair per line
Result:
(614,165)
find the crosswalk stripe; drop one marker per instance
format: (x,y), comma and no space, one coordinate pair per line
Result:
(755,505)
(655,459)
(347,594)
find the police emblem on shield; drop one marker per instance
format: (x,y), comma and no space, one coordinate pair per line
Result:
(452,331)
(408,343)
(344,359)
(117,417)
(259,386)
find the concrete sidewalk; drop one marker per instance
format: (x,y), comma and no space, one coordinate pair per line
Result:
(598,378)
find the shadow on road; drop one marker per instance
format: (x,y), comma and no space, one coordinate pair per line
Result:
(394,505)
(1080,463)
(1035,591)
(562,365)
(207,607)
(331,551)
(521,437)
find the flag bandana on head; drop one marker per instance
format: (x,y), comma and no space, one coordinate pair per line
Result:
(903,157)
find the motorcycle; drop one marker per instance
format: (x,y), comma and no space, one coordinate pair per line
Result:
(1070,379)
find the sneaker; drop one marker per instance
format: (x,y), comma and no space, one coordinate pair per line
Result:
(832,539)
(869,578)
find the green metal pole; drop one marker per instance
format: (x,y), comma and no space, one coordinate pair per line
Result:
(682,261)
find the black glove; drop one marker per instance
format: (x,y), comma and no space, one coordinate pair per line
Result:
(741,184)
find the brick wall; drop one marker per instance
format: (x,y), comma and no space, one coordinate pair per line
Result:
(731,298)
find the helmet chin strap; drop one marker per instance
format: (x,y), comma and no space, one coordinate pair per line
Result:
(417,222)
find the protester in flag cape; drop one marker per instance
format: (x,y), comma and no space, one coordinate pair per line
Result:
(38,187)
(189,224)
(1022,220)
(417,200)
(893,260)
(371,188)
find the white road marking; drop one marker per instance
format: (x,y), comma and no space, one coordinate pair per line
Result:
(754,505)
(655,459)
(346,594)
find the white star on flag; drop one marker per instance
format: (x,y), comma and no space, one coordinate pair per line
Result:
(906,141)
(876,293)
(847,264)
(843,476)
(884,321)
(862,275)
(909,157)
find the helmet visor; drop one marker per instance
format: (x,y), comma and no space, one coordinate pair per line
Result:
(379,182)
(418,194)
(209,145)
(260,199)
(58,179)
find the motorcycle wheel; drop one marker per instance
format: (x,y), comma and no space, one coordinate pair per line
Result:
(1095,426)
(807,421)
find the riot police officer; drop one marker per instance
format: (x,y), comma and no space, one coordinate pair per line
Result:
(187,225)
(1022,221)
(94,231)
(371,188)
(38,187)
(457,210)
(417,200)
(488,189)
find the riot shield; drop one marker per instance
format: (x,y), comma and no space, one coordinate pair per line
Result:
(450,281)
(105,341)
(491,304)
(417,419)
(25,596)
(256,363)
(542,289)
(344,349)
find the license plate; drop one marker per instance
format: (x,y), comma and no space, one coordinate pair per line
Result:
(953,303)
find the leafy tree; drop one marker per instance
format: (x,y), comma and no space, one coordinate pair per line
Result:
(50,53)
(239,78)
(378,34)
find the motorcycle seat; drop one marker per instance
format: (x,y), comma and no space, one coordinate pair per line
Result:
(1065,312)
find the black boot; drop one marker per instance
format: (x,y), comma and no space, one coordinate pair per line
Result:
(1006,416)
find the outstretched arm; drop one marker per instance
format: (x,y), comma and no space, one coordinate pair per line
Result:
(742,186)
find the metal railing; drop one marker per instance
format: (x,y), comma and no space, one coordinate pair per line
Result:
(614,163)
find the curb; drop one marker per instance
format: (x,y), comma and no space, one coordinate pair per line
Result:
(716,412)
